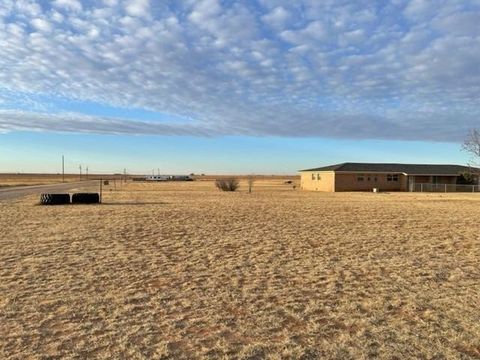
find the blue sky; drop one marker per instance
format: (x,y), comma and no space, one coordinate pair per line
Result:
(235,87)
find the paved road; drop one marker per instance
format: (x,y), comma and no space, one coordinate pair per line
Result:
(19,191)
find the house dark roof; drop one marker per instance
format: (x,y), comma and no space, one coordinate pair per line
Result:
(410,169)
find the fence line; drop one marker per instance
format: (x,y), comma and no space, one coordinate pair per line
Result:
(428,187)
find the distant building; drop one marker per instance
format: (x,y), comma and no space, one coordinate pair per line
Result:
(384,177)
(169,178)
(157,177)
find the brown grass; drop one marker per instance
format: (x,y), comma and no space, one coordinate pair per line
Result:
(182,270)
(35,179)
(25,179)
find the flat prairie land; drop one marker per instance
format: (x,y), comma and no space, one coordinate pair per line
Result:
(7,180)
(25,179)
(34,179)
(183,271)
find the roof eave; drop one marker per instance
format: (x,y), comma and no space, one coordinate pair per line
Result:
(317,170)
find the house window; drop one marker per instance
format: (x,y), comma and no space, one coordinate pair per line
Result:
(313,176)
(360,177)
(392,177)
(319,177)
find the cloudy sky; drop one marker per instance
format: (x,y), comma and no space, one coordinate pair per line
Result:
(235,86)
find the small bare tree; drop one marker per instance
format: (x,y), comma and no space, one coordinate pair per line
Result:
(472,146)
(230,184)
(250,181)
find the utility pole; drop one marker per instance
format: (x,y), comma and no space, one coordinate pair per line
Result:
(125,175)
(80,172)
(63,168)
(86,173)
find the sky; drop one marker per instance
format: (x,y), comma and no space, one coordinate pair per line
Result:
(211,86)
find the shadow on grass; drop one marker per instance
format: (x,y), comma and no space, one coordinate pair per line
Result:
(106,203)
(135,203)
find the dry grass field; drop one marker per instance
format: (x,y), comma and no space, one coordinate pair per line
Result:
(7,180)
(183,271)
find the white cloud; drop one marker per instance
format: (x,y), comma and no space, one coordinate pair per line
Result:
(28,7)
(110,2)
(73,5)
(315,31)
(41,25)
(137,7)
(277,17)
(352,37)
(419,8)
(460,23)
(307,68)
(72,122)
(204,10)
(228,27)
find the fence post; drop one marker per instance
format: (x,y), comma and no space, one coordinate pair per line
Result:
(445,187)
(101,183)
(421,187)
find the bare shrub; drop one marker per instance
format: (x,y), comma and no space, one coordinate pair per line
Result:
(230,184)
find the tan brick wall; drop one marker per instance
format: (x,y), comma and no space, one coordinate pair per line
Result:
(440,179)
(351,182)
(331,181)
(326,182)
(448,179)
(421,179)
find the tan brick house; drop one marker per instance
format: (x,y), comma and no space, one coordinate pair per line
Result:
(384,177)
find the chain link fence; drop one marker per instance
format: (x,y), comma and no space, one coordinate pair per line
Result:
(447,188)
